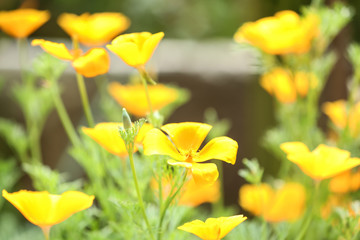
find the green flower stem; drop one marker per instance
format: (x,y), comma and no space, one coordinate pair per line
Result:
(85,99)
(34,138)
(167,203)
(31,126)
(142,207)
(64,117)
(310,215)
(23,56)
(147,94)
(46,231)
(264,229)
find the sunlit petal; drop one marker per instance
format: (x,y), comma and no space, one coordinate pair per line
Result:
(107,135)
(58,50)
(221,148)
(204,173)
(93,63)
(156,142)
(44,209)
(187,136)
(21,23)
(94,29)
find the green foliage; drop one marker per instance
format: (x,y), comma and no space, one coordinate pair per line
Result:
(253,172)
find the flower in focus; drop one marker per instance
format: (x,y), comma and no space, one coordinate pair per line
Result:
(284,204)
(345,182)
(280,34)
(133,97)
(322,163)
(94,62)
(213,228)
(182,144)
(44,209)
(107,135)
(286,87)
(342,117)
(93,29)
(21,23)
(135,49)
(192,194)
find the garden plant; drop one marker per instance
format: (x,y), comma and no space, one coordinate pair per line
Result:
(147,178)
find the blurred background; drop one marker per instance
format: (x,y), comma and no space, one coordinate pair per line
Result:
(236,97)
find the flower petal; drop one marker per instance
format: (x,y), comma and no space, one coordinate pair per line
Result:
(294,147)
(156,142)
(149,46)
(20,23)
(127,51)
(208,231)
(107,135)
(204,173)
(187,136)
(181,164)
(221,148)
(93,63)
(93,29)
(229,223)
(58,50)
(44,209)
(34,206)
(69,203)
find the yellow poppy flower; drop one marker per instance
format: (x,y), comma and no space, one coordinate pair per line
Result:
(94,62)
(213,228)
(133,97)
(284,204)
(135,49)
(341,116)
(21,23)
(107,135)
(322,163)
(278,82)
(182,145)
(285,86)
(192,194)
(44,209)
(345,182)
(94,29)
(280,34)
(195,194)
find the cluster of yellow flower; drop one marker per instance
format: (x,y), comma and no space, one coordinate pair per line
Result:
(290,40)
(181,142)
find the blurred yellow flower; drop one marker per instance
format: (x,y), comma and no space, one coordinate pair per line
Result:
(44,209)
(135,49)
(341,116)
(133,97)
(322,163)
(334,201)
(94,62)
(345,182)
(280,34)
(21,23)
(107,135)
(93,29)
(192,194)
(284,204)
(213,228)
(285,86)
(182,143)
